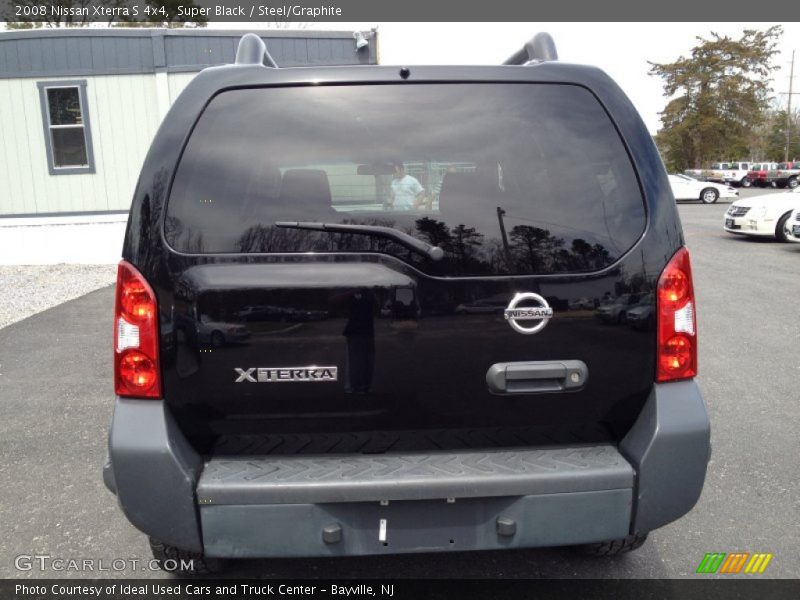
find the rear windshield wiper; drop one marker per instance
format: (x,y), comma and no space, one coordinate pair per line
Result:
(410,242)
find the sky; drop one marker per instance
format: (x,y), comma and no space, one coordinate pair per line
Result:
(621,49)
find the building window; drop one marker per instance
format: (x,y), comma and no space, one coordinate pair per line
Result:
(68,137)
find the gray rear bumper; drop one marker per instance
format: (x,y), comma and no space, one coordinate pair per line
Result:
(347,505)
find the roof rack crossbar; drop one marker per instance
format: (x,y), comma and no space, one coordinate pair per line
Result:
(541,48)
(253,51)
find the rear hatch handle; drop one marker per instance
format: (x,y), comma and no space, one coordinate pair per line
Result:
(410,242)
(537,377)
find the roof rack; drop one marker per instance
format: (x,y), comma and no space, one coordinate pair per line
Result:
(253,51)
(539,49)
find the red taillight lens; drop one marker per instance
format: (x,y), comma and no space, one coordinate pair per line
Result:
(135,301)
(137,372)
(677,324)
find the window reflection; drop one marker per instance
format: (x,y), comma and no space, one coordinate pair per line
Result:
(506,179)
(66,127)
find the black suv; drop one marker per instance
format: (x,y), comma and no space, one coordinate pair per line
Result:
(355,316)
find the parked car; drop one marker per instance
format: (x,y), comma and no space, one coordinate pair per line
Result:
(582,304)
(787,175)
(762,216)
(219,333)
(359,437)
(699,174)
(792,226)
(732,173)
(687,188)
(763,174)
(616,310)
(643,315)
(483,306)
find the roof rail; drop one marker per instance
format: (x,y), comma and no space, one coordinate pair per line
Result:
(541,48)
(253,51)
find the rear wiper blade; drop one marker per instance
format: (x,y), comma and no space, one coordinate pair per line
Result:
(410,242)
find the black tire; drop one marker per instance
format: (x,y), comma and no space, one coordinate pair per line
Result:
(175,560)
(709,196)
(780,234)
(614,547)
(793,182)
(746,182)
(217,339)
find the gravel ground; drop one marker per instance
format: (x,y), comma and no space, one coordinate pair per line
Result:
(27,290)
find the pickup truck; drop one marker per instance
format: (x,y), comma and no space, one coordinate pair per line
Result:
(787,175)
(732,173)
(763,174)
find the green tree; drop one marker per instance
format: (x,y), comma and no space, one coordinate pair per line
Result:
(776,137)
(718,97)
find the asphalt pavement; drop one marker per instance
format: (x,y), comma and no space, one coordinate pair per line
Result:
(56,401)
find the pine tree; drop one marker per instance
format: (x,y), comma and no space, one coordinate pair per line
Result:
(718,98)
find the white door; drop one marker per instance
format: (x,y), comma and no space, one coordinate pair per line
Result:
(682,187)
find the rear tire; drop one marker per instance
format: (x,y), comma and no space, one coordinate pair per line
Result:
(614,547)
(792,183)
(709,196)
(745,182)
(175,560)
(780,228)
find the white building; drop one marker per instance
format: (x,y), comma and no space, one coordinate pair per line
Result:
(78,109)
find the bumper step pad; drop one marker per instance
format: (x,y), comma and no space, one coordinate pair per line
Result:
(413,476)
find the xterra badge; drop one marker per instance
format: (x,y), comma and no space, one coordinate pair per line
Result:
(541,312)
(285,374)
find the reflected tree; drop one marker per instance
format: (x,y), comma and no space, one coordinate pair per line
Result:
(533,247)
(436,233)
(466,243)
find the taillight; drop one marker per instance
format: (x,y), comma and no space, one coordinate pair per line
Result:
(136,368)
(677,325)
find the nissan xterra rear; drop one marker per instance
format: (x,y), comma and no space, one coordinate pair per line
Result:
(354,316)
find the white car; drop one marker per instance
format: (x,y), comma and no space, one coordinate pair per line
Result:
(765,216)
(687,188)
(792,226)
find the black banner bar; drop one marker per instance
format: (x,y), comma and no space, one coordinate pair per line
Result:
(407,10)
(733,588)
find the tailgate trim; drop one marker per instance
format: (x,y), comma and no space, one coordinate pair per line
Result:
(413,476)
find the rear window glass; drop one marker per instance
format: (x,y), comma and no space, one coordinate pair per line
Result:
(505,178)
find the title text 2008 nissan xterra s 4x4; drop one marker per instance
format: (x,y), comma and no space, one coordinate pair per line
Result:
(346,318)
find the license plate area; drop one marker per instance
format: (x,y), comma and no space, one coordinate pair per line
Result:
(729,223)
(341,529)
(419,526)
